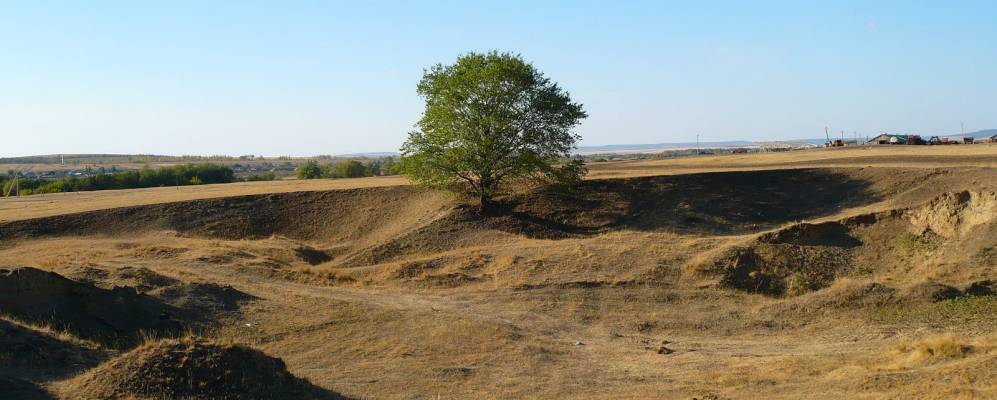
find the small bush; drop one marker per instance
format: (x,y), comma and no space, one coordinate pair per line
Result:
(914,244)
(348,169)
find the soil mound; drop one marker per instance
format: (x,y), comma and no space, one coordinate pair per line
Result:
(844,293)
(105,315)
(823,234)
(311,255)
(141,278)
(791,261)
(781,269)
(202,298)
(196,301)
(930,291)
(27,351)
(193,368)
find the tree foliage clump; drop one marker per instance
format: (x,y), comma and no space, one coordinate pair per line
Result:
(491,118)
(311,169)
(265,176)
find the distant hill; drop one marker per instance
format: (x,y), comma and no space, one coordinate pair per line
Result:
(654,146)
(978,134)
(606,149)
(373,154)
(660,147)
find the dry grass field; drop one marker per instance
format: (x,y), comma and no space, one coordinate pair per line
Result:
(862,273)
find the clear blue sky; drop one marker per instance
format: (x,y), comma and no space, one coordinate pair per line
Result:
(324,77)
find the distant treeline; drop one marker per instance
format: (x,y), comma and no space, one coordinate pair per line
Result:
(126,158)
(347,169)
(187,174)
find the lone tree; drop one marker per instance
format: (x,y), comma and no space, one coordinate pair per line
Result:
(491,118)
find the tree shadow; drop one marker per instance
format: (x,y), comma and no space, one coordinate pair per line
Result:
(116,317)
(19,389)
(718,203)
(26,353)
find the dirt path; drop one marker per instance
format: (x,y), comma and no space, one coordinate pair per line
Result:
(592,346)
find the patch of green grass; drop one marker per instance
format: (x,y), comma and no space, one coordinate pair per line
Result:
(988,256)
(798,284)
(913,244)
(861,270)
(961,310)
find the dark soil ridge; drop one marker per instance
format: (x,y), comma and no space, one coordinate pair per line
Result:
(299,215)
(707,204)
(29,353)
(718,202)
(722,203)
(113,316)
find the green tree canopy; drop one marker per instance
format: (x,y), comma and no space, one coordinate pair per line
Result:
(349,169)
(309,170)
(490,118)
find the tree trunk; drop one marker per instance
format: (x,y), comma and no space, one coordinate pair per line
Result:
(485,205)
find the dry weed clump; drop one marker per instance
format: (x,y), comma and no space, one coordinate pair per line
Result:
(939,348)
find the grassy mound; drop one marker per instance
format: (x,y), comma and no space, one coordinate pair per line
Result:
(193,368)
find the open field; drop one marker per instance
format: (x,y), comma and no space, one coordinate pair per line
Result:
(879,156)
(848,273)
(981,155)
(12,208)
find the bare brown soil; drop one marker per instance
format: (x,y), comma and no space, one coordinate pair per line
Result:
(799,280)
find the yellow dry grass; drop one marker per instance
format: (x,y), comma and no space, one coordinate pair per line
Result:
(14,208)
(911,353)
(414,302)
(984,155)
